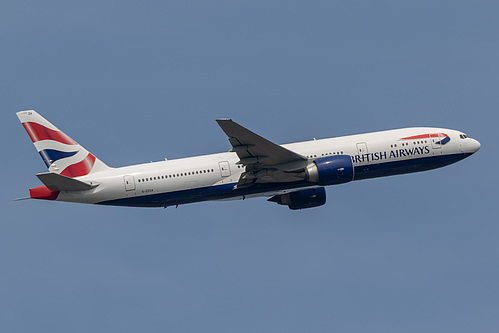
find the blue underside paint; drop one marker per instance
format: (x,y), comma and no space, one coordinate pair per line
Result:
(227,191)
(407,166)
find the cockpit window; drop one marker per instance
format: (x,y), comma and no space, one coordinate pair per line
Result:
(463,136)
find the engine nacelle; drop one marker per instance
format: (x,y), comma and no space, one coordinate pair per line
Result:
(302,199)
(331,170)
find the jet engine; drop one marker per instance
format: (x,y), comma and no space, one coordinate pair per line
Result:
(330,170)
(302,199)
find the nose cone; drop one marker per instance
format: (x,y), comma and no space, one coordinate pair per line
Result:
(476,145)
(470,146)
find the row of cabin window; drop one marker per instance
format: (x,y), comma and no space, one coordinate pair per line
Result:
(182,174)
(407,143)
(326,154)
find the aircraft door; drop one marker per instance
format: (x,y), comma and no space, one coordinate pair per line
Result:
(362,148)
(435,141)
(224,168)
(129,183)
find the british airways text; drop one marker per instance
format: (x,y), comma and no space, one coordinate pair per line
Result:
(383,155)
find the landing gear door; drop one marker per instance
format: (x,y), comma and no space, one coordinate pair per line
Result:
(129,183)
(224,168)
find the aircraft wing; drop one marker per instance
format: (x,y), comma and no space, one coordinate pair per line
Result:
(253,149)
(265,161)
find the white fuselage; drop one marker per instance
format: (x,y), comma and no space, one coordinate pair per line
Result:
(215,176)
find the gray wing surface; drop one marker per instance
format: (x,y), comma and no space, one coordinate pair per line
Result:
(264,160)
(252,148)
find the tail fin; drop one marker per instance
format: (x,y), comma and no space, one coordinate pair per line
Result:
(61,154)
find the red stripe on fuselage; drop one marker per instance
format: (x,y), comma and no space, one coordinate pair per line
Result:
(423,136)
(39,132)
(81,168)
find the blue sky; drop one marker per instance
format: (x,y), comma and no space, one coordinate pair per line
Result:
(137,82)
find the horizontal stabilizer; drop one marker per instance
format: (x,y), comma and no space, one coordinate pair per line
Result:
(57,182)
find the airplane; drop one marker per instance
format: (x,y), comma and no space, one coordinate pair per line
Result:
(294,175)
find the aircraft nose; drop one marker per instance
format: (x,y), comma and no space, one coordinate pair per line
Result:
(475,145)
(470,146)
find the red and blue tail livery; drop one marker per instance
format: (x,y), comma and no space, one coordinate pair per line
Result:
(294,175)
(61,154)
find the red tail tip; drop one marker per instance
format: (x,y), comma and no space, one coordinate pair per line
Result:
(42,192)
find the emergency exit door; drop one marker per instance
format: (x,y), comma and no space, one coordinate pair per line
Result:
(362,148)
(436,140)
(129,183)
(224,168)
